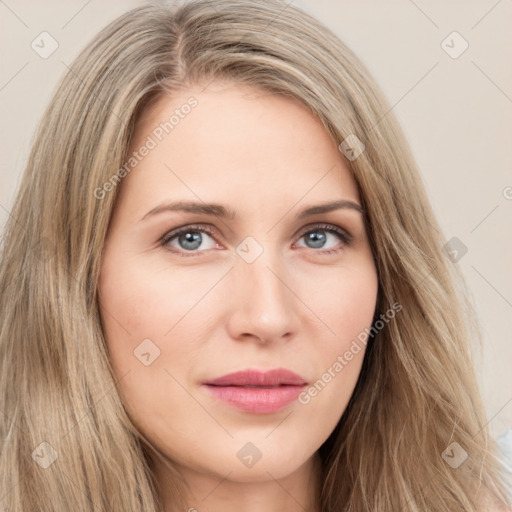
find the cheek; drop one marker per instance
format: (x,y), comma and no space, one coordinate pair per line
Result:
(346,306)
(140,302)
(143,309)
(154,337)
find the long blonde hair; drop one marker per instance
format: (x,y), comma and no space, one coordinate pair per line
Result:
(67,442)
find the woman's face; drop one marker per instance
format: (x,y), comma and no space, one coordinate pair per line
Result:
(272,286)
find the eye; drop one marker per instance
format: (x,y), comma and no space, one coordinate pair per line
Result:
(194,239)
(189,239)
(318,237)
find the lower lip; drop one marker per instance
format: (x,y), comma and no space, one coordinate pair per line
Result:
(257,400)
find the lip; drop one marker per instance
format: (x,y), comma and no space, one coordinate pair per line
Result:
(257,392)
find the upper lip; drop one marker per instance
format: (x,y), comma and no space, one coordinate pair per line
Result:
(276,377)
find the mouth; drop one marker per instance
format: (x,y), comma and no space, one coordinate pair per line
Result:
(257,392)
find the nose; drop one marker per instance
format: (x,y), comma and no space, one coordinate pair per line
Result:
(263,306)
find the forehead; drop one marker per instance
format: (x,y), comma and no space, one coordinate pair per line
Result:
(235,142)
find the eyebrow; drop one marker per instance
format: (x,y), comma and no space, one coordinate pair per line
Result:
(221,211)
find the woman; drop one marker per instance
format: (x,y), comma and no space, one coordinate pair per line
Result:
(229,290)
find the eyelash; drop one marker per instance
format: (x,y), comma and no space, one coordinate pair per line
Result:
(344,236)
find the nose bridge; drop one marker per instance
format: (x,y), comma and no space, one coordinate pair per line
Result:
(264,305)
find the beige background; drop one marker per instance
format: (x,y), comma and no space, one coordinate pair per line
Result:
(456,114)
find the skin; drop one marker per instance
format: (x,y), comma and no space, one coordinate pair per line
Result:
(211,313)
